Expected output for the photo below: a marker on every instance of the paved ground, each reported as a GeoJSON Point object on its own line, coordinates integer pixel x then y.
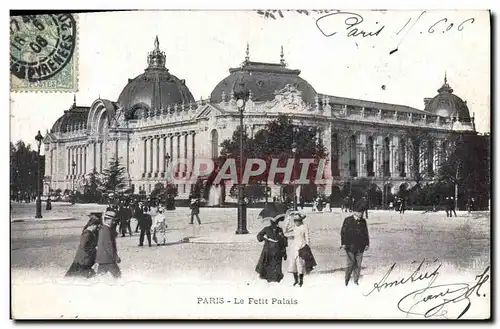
{"type": "Point", "coordinates": [43, 250]}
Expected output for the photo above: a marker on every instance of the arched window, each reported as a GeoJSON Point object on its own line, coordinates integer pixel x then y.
{"type": "Point", "coordinates": [352, 156]}
{"type": "Point", "coordinates": [387, 157]}
{"type": "Point", "coordinates": [369, 156]}
{"type": "Point", "coordinates": [214, 136]}
{"type": "Point", "coordinates": [402, 157]}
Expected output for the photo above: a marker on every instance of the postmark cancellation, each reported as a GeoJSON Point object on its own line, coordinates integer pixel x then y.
{"type": "Point", "coordinates": [43, 53]}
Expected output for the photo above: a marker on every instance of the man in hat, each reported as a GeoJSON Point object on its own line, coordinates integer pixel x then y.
{"type": "Point", "coordinates": [107, 254]}
{"type": "Point", "coordinates": [195, 210]}
{"type": "Point", "coordinates": [355, 240]}
{"type": "Point", "coordinates": [451, 206]}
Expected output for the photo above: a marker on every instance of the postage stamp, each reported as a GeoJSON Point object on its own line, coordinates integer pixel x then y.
{"type": "Point", "coordinates": [43, 53]}
{"type": "Point", "coordinates": [256, 164]}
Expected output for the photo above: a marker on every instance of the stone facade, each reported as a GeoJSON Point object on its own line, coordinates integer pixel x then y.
{"type": "Point", "coordinates": [363, 138]}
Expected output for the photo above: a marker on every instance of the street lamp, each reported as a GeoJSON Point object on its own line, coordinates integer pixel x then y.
{"type": "Point", "coordinates": [241, 94]}
{"type": "Point", "coordinates": [294, 152]}
{"type": "Point", "coordinates": [38, 214]}
{"type": "Point", "coordinates": [73, 166]}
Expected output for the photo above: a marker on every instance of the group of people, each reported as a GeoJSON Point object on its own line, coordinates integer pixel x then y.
{"type": "Point", "coordinates": [354, 239]}
{"type": "Point", "coordinates": [97, 246]}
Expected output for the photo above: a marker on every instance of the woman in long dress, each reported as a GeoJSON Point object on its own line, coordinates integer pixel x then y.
{"type": "Point", "coordinates": [301, 260]}
{"type": "Point", "coordinates": [86, 253]}
{"type": "Point", "coordinates": [160, 227]}
{"type": "Point", "coordinates": [269, 266]}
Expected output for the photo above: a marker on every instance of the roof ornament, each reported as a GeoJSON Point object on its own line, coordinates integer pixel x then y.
{"type": "Point", "coordinates": [445, 87]}
{"type": "Point", "coordinates": [282, 57]}
{"type": "Point", "coordinates": [247, 57]}
{"type": "Point", "coordinates": [156, 58]}
{"type": "Point", "coordinates": [157, 43]}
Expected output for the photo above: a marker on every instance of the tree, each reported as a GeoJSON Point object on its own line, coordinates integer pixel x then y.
{"type": "Point", "coordinates": [113, 177]}
{"type": "Point", "coordinates": [276, 141]}
{"type": "Point", "coordinates": [24, 164]}
{"type": "Point", "coordinates": [92, 186]}
{"type": "Point", "coordinates": [466, 166]}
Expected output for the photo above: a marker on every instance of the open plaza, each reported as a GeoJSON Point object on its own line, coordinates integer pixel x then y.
{"type": "Point", "coordinates": [211, 261]}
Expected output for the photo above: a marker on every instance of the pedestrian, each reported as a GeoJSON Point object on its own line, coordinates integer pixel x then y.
{"type": "Point", "coordinates": [160, 227]}
{"type": "Point", "coordinates": [301, 260]}
{"type": "Point", "coordinates": [49, 204]}
{"type": "Point", "coordinates": [355, 240]}
{"type": "Point", "coordinates": [107, 253]}
{"type": "Point", "coordinates": [125, 215]}
{"type": "Point", "coordinates": [195, 210]}
{"type": "Point", "coordinates": [273, 252]}
{"type": "Point", "coordinates": [451, 206]}
{"type": "Point", "coordinates": [364, 202]}
{"type": "Point", "coordinates": [402, 205]}
{"type": "Point", "coordinates": [145, 223]}
{"type": "Point", "coordinates": [137, 212]}
{"type": "Point", "coordinates": [301, 202]}
{"type": "Point", "coordinates": [85, 256]}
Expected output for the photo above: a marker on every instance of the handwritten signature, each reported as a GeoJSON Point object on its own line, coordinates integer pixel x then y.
{"type": "Point", "coordinates": [445, 300]}
{"type": "Point", "coordinates": [415, 276]}
{"type": "Point", "coordinates": [355, 26]}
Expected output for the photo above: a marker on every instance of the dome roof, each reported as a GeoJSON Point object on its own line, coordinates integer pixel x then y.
{"type": "Point", "coordinates": [156, 88]}
{"type": "Point", "coordinates": [263, 80]}
{"type": "Point", "coordinates": [75, 117]}
{"type": "Point", "coordinates": [447, 104]}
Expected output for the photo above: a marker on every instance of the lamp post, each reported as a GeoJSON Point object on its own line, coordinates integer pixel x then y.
{"type": "Point", "coordinates": [241, 94]}
{"type": "Point", "coordinates": [38, 214]}
{"type": "Point", "coordinates": [73, 167]}
{"type": "Point", "coordinates": [294, 152]}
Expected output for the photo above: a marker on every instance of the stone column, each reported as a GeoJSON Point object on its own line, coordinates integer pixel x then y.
{"type": "Point", "coordinates": [151, 155]}
{"type": "Point", "coordinates": [189, 151]}
{"type": "Point", "coordinates": [391, 157]}
{"type": "Point", "coordinates": [68, 156]}
{"type": "Point", "coordinates": [163, 148]}
{"type": "Point", "coordinates": [85, 159]}
{"type": "Point", "coordinates": [361, 152]}
{"type": "Point", "coordinates": [437, 160]}
{"type": "Point", "coordinates": [101, 157]}
{"type": "Point", "coordinates": [193, 145]}
{"type": "Point", "coordinates": [157, 155]}
{"type": "Point", "coordinates": [80, 172]}
{"type": "Point", "coordinates": [144, 145]}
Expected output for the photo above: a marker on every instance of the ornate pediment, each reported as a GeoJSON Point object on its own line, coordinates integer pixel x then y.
{"type": "Point", "coordinates": [289, 97]}
{"type": "Point", "coordinates": [208, 111]}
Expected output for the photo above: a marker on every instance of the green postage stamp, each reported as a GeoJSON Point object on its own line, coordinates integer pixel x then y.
{"type": "Point", "coordinates": [43, 53]}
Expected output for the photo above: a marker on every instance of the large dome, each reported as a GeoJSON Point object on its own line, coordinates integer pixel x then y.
{"type": "Point", "coordinates": [156, 88]}
{"type": "Point", "coordinates": [263, 80]}
{"type": "Point", "coordinates": [446, 104]}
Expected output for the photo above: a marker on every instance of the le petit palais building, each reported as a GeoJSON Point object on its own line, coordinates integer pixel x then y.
{"type": "Point", "coordinates": [156, 117]}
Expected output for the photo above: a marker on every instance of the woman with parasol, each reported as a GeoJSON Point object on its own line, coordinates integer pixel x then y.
{"type": "Point", "coordinates": [269, 266]}
{"type": "Point", "coordinates": [86, 253]}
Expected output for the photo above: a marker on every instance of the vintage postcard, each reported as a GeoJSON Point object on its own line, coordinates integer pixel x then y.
{"type": "Point", "coordinates": [259, 164]}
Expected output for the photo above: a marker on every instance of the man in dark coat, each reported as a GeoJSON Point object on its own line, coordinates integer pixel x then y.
{"type": "Point", "coordinates": [451, 206]}
{"type": "Point", "coordinates": [195, 210]}
{"type": "Point", "coordinates": [364, 206]}
{"type": "Point", "coordinates": [125, 214]}
{"type": "Point", "coordinates": [107, 254]}
{"type": "Point", "coordinates": [145, 223]}
{"type": "Point", "coordinates": [355, 240]}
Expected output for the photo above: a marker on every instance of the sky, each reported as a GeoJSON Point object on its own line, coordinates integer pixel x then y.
{"type": "Point", "coordinates": [201, 46]}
